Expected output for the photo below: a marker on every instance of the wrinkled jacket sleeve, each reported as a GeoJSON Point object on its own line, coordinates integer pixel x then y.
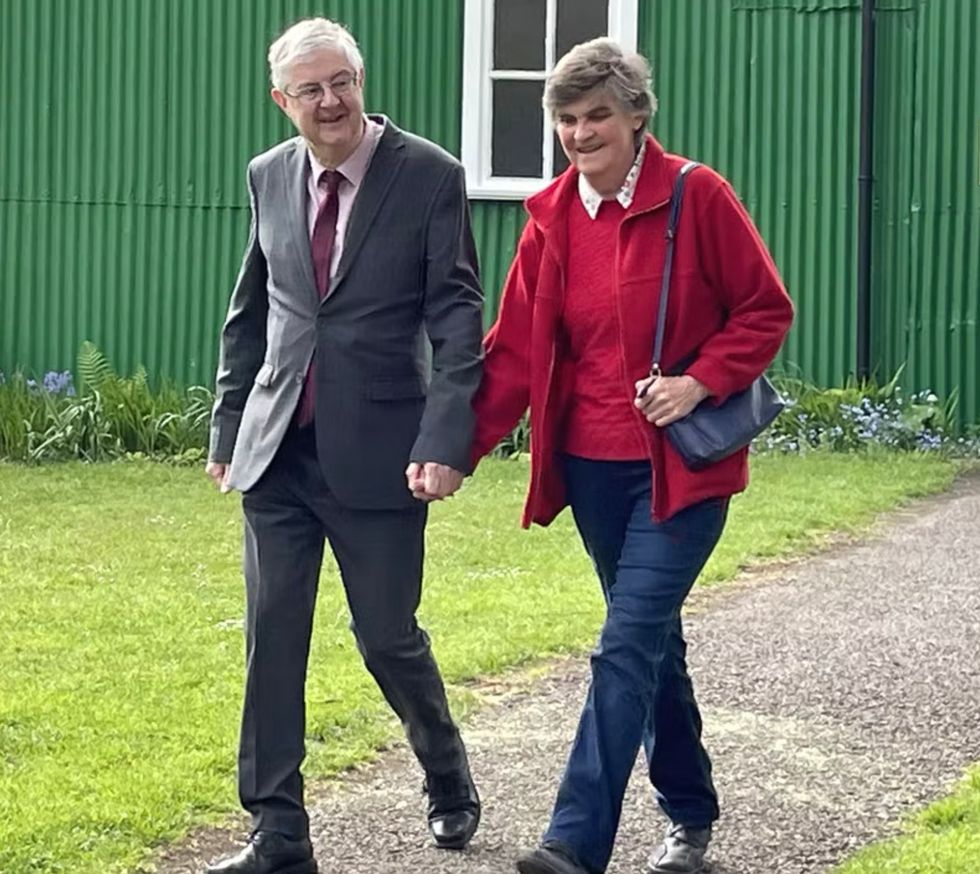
{"type": "Point", "coordinates": [738, 265]}
{"type": "Point", "coordinates": [505, 391]}
{"type": "Point", "coordinates": [453, 313]}
{"type": "Point", "coordinates": [242, 342]}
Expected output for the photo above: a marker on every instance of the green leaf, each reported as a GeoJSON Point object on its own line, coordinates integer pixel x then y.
{"type": "Point", "coordinates": [94, 370]}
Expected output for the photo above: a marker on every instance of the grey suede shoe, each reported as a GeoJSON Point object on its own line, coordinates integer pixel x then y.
{"type": "Point", "coordinates": [682, 851]}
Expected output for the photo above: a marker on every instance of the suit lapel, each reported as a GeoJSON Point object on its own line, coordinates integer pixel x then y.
{"type": "Point", "coordinates": [375, 187]}
{"type": "Point", "coordinates": [295, 167]}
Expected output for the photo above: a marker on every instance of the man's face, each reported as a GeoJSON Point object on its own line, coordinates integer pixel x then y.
{"type": "Point", "coordinates": [597, 135]}
{"type": "Point", "coordinates": [324, 99]}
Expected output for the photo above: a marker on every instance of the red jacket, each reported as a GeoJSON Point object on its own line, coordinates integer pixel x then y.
{"type": "Point", "coordinates": [728, 308]}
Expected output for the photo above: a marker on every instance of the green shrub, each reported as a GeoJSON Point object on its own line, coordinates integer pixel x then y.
{"type": "Point", "coordinates": [859, 416]}
{"type": "Point", "coordinates": [863, 415]}
{"type": "Point", "coordinates": [516, 443]}
{"type": "Point", "coordinates": [112, 416]}
{"type": "Point", "coordinates": [108, 417]}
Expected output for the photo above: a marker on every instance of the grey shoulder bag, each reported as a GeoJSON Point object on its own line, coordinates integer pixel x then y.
{"type": "Point", "coordinates": [710, 432]}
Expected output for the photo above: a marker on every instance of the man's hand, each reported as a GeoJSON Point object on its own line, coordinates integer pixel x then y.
{"type": "Point", "coordinates": [432, 481]}
{"type": "Point", "coordinates": [665, 399]}
{"type": "Point", "coordinates": [219, 473]}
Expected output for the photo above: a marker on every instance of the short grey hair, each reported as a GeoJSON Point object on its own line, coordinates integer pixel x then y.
{"type": "Point", "coordinates": [305, 38]}
{"type": "Point", "coordinates": [601, 63]}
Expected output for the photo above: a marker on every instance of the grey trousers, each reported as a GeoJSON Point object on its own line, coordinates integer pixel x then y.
{"type": "Point", "coordinates": [289, 515]}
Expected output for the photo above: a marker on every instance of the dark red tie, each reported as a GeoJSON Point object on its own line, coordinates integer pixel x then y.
{"type": "Point", "coordinates": [321, 247]}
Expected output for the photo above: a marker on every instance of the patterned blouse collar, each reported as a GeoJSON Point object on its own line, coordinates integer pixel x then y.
{"type": "Point", "coordinates": [592, 200]}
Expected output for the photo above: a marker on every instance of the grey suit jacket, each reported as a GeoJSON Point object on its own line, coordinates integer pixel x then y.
{"type": "Point", "coordinates": [408, 269]}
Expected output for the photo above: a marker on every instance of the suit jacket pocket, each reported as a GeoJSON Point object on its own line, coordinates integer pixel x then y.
{"type": "Point", "coordinates": [396, 389]}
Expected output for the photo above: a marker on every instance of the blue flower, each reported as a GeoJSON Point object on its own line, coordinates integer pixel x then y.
{"type": "Point", "coordinates": [59, 382]}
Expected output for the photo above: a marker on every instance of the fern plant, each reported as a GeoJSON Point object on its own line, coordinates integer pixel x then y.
{"type": "Point", "coordinates": [94, 370]}
{"type": "Point", "coordinates": [111, 416]}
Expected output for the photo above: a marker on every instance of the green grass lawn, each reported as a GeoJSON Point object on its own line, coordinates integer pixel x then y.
{"type": "Point", "coordinates": [121, 645]}
{"type": "Point", "coordinates": [943, 839]}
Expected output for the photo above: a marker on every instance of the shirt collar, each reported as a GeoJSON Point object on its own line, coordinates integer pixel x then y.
{"type": "Point", "coordinates": [357, 162]}
{"type": "Point", "coordinates": [592, 200]}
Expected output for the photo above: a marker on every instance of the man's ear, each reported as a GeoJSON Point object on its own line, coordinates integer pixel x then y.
{"type": "Point", "coordinates": [279, 97]}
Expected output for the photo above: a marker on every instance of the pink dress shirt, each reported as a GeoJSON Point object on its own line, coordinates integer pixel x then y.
{"type": "Point", "coordinates": [353, 170]}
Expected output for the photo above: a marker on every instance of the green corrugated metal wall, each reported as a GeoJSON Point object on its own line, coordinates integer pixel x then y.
{"type": "Point", "coordinates": [768, 91]}
{"type": "Point", "coordinates": [496, 226]}
{"type": "Point", "coordinates": [927, 284]}
{"type": "Point", "coordinates": [128, 124]}
{"type": "Point", "coordinates": [125, 131]}
{"type": "Point", "coordinates": [749, 91]}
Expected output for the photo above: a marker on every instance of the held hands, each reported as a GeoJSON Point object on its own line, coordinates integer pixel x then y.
{"type": "Point", "coordinates": [428, 482]}
{"type": "Point", "coordinates": [665, 399]}
{"type": "Point", "coordinates": [219, 473]}
{"type": "Point", "coordinates": [432, 481]}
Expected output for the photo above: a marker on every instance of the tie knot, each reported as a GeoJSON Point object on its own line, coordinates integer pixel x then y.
{"type": "Point", "coordinates": [329, 180]}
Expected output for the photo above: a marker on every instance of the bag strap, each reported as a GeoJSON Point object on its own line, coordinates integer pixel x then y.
{"type": "Point", "coordinates": [672, 221]}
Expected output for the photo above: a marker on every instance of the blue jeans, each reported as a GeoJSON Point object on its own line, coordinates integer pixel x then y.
{"type": "Point", "coordinates": [640, 690]}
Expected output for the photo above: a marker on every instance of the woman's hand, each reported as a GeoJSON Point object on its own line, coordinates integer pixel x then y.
{"type": "Point", "coordinates": [665, 399]}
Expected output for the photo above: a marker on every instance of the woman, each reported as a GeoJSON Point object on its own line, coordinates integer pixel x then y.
{"type": "Point", "coordinates": [573, 341]}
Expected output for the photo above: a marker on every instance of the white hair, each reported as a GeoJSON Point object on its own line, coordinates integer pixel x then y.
{"type": "Point", "coordinates": [305, 38]}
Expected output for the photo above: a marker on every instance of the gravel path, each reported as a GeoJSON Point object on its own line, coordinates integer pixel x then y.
{"type": "Point", "coordinates": [838, 694]}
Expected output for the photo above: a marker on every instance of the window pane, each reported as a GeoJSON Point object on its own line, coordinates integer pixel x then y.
{"type": "Point", "coordinates": [578, 21]}
{"type": "Point", "coordinates": [518, 34]}
{"type": "Point", "coordinates": [560, 159]}
{"type": "Point", "coordinates": [518, 125]}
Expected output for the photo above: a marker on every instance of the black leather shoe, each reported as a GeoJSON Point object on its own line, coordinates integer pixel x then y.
{"type": "Point", "coordinates": [682, 851]}
{"type": "Point", "coordinates": [269, 853]}
{"type": "Point", "coordinates": [454, 810]}
{"type": "Point", "coordinates": [549, 860]}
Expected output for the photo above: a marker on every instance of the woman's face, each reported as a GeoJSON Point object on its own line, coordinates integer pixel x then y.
{"type": "Point", "coordinates": [598, 135]}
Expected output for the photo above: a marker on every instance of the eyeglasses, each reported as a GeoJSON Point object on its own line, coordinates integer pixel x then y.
{"type": "Point", "coordinates": [312, 92]}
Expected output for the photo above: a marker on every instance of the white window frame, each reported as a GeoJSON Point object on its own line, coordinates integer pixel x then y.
{"type": "Point", "coordinates": [478, 77]}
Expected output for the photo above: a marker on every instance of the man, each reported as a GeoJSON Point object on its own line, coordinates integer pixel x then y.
{"type": "Point", "coordinates": [360, 246]}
